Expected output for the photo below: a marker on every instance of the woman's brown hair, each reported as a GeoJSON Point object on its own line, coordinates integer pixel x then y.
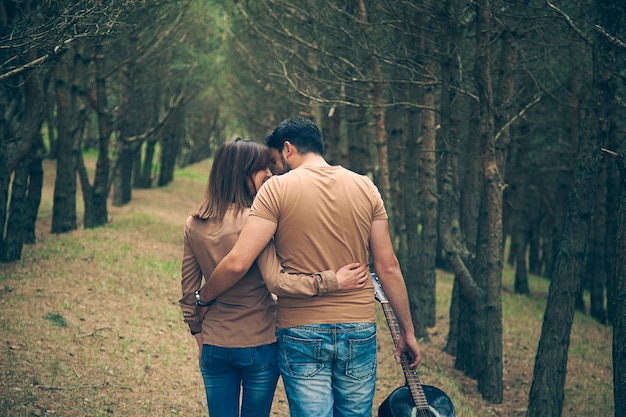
{"type": "Point", "coordinates": [233, 166]}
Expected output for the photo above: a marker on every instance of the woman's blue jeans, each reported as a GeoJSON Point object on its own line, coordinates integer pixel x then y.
{"type": "Point", "coordinates": [234, 375]}
{"type": "Point", "coordinates": [328, 370]}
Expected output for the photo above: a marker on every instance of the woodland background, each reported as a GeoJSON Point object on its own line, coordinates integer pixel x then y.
{"type": "Point", "coordinates": [481, 122]}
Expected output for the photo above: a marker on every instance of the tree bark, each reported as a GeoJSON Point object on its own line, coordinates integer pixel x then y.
{"type": "Point", "coordinates": [144, 179]}
{"type": "Point", "coordinates": [547, 388]}
{"type": "Point", "coordinates": [596, 254]}
{"type": "Point", "coordinates": [471, 190]}
{"type": "Point", "coordinates": [70, 125]}
{"type": "Point", "coordinates": [131, 124]}
{"type": "Point", "coordinates": [19, 152]}
{"type": "Point", "coordinates": [382, 177]}
{"type": "Point", "coordinates": [619, 306]}
{"type": "Point", "coordinates": [25, 198]}
{"type": "Point", "coordinates": [170, 142]}
{"type": "Point", "coordinates": [95, 196]}
{"type": "Point", "coordinates": [519, 217]}
{"type": "Point", "coordinates": [612, 216]}
{"type": "Point", "coordinates": [489, 256]}
{"type": "Point", "coordinates": [122, 192]}
{"type": "Point", "coordinates": [359, 139]}
{"type": "Point", "coordinates": [410, 199]}
{"type": "Point", "coordinates": [334, 149]}
{"type": "Point", "coordinates": [429, 235]}
{"type": "Point", "coordinates": [21, 117]}
{"type": "Point", "coordinates": [35, 185]}
{"type": "Point", "coordinates": [14, 240]}
{"type": "Point", "coordinates": [396, 145]}
{"type": "Point", "coordinates": [504, 113]}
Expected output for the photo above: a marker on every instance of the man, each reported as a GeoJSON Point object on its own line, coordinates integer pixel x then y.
{"type": "Point", "coordinates": [322, 217]}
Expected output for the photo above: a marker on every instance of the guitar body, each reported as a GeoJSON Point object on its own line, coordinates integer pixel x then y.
{"type": "Point", "coordinates": [400, 404]}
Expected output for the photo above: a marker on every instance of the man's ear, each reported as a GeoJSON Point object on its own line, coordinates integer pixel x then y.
{"type": "Point", "coordinates": [288, 148]}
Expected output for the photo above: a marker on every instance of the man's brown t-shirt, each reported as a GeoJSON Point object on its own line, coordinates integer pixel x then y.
{"type": "Point", "coordinates": [324, 217]}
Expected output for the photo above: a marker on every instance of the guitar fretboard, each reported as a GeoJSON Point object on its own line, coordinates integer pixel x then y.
{"type": "Point", "coordinates": [412, 380]}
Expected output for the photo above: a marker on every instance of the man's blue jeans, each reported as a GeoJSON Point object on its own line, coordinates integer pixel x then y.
{"type": "Point", "coordinates": [227, 371]}
{"type": "Point", "coordinates": [328, 370]}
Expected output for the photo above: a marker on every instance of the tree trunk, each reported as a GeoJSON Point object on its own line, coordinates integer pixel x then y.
{"type": "Point", "coordinates": [20, 100]}
{"type": "Point", "coordinates": [5, 180]}
{"type": "Point", "coordinates": [358, 134]}
{"type": "Point", "coordinates": [145, 176]}
{"type": "Point", "coordinates": [572, 116]}
{"type": "Point", "coordinates": [505, 101]}
{"type": "Point", "coordinates": [137, 164]}
{"type": "Point", "coordinates": [534, 247]}
{"type": "Point", "coordinates": [131, 125]}
{"type": "Point", "coordinates": [410, 197]}
{"type": "Point", "coordinates": [14, 240]}
{"type": "Point", "coordinates": [451, 234]}
{"type": "Point", "coordinates": [472, 186]}
{"type": "Point", "coordinates": [521, 272]}
{"type": "Point", "coordinates": [612, 215]}
{"type": "Point", "coordinates": [95, 196]}
{"type": "Point", "coordinates": [449, 228]}
{"type": "Point", "coordinates": [619, 307]}
{"type": "Point", "coordinates": [407, 196]}
{"type": "Point", "coordinates": [70, 124]}
{"type": "Point", "coordinates": [336, 120]}
{"type": "Point", "coordinates": [519, 224]}
{"type": "Point", "coordinates": [429, 237]}
{"type": "Point", "coordinates": [382, 177]}
{"type": "Point", "coordinates": [489, 256]}
{"type": "Point", "coordinates": [122, 192]}
{"type": "Point", "coordinates": [547, 388]}
{"type": "Point", "coordinates": [334, 151]}
{"type": "Point", "coordinates": [396, 138]}
{"type": "Point", "coordinates": [35, 185]}
{"type": "Point", "coordinates": [19, 152]}
{"type": "Point", "coordinates": [596, 254]}
{"type": "Point", "coordinates": [50, 119]}
{"type": "Point", "coordinates": [170, 141]}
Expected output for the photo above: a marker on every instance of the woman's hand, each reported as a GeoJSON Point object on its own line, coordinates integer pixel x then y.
{"type": "Point", "coordinates": [202, 312]}
{"type": "Point", "coordinates": [352, 276]}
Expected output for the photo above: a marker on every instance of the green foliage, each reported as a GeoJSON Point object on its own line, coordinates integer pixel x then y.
{"type": "Point", "coordinates": [56, 319]}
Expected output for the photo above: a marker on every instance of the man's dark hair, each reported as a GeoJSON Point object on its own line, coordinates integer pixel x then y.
{"type": "Point", "coordinates": [300, 132]}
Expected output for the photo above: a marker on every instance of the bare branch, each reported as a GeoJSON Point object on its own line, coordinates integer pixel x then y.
{"type": "Point", "coordinates": [37, 36]}
{"type": "Point", "coordinates": [612, 153]}
{"type": "Point", "coordinates": [570, 22]}
{"type": "Point", "coordinates": [517, 116]}
{"type": "Point", "coordinates": [25, 67]}
{"type": "Point", "coordinates": [617, 42]}
{"type": "Point", "coordinates": [178, 101]}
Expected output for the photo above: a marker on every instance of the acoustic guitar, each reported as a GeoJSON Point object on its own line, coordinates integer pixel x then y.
{"type": "Point", "coordinates": [413, 399]}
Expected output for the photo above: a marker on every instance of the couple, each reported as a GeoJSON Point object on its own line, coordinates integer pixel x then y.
{"type": "Point", "coordinates": [321, 334]}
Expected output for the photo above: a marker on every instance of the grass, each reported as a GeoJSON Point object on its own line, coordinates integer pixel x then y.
{"type": "Point", "coordinates": [91, 326]}
{"type": "Point", "coordinates": [56, 319]}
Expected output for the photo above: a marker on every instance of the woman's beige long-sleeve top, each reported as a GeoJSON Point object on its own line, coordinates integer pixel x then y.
{"type": "Point", "coordinates": [243, 316]}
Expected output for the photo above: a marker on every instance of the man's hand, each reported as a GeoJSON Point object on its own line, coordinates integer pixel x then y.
{"type": "Point", "coordinates": [410, 348]}
{"type": "Point", "coordinates": [352, 276]}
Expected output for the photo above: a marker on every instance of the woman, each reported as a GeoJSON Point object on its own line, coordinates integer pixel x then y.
{"type": "Point", "coordinates": [236, 338]}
